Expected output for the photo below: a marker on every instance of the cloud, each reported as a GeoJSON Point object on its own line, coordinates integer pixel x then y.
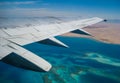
{"type": "Point", "coordinates": [17, 3]}
{"type": "Point", "coordinates": [39, 12]}
{"type": "Point", "coordinates": [34, 12]}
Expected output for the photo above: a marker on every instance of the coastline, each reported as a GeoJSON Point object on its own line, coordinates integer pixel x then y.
{"type": "Point", "coordinates": [105, 32]}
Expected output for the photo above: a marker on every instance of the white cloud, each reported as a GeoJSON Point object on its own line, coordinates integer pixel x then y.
{"type": "Point", "coordinates": [34, 12]}
{"type": "Point", "coordinates": [17, 3]}
{"type": "Point", "coordinates": [38, 12]}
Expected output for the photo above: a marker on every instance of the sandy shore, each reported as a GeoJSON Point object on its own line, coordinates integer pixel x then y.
{"type": "Point", "coordinates": [107, 32]}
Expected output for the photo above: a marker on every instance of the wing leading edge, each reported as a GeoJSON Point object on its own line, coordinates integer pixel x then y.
{"type": "Point", "coordinates": [13, 39]}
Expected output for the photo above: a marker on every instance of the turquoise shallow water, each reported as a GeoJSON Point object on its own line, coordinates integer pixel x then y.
{"type": "Point", "coordinates": [86, 61]}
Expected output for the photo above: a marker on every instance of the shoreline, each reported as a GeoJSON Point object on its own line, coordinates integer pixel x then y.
{"type": "Point", "coordinates": [104, 32]}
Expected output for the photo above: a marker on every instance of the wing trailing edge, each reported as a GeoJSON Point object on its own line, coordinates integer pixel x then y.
{"type": "Point", "coordinates": [53, 41]}
{"type": "Point", "coordinates": [23, 58]}
{"type": "Point", "coordinates": [81, 31]}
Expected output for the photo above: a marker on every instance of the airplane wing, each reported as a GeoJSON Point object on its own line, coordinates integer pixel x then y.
{"type": "Point", "coordinates": [14, 38]}
{"type": "Point", "coordinates": [26, 35]}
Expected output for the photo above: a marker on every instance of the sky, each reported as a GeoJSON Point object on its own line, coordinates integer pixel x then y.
{"type": "Point", "coordinates": [69, 8]}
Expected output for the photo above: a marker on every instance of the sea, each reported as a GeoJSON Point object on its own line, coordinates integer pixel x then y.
{"type": "Point", "coordinates": [85, 61]}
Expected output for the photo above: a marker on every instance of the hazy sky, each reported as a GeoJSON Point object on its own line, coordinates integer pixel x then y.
{"type": "Point", "coordinates": [84, 8]}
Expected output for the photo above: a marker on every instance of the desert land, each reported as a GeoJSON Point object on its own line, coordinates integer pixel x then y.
{"type": "Point", "coordinates": [106, 32]}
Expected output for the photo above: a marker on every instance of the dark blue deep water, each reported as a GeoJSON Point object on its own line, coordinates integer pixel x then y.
{"type": "Point", "coordinates": [86, 61]}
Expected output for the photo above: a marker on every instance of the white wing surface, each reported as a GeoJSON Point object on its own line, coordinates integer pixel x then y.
{"type": "Point", "coordinates": [11, 40]}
